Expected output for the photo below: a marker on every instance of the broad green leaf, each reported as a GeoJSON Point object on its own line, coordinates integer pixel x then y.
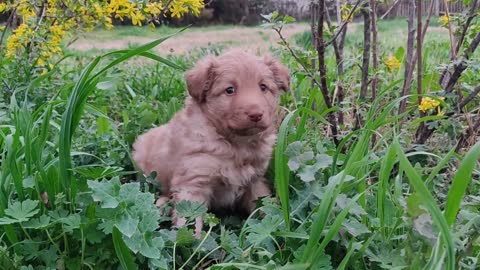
{"type": "Point", "coordinates": [190, 209]}
{"type": "Point", "coordinates": [105, 192]}
{"type": "Point", "coordinates": [37, 223]}
{"type": "Point", "coordinates": [185, 237]}
{"type": "Point", "coordinates": [20, 212]}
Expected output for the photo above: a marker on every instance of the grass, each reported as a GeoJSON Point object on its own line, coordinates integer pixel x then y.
{"type": "Point", "coordinates": [70, 196]}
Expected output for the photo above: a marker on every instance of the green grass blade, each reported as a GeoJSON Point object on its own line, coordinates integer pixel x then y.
{"type": "Point", "coordinates": [462, 179]}
{"type": "Point", "coordinates": [282, 173]}
{"type": "Point", "coordinates": [429, 202]}
{"type": "Point", "coordinates": [383, 184]}
{"type": "Point", "coordinates": [122, 251]}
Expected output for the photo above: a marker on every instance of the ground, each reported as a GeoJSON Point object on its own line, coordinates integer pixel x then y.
{"type": "Point", "coordinates": [255, 39]}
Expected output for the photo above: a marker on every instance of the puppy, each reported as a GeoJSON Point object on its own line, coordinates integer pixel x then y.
{"type": "Point", "coordinates": [216, 150]}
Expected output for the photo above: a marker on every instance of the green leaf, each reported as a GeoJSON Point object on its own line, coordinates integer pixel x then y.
{"type": "Point", "coordinates": [460, 182]}
{"type": "Point", "coordinates": [307, 173]}
{"type": "Point", "coordinates": [105, 192]}
{"type": "Point", "coordinates": [185, 237]}
{"type": "Point", "coordinates": [414, 202]}
{"type": "Point", "coordinates": [20, 212]}
{"type": "Point", "coordinates": [145, 244]}
{"type": "Point", "coordinates": [261, 231]}
{"type": "Point", "coordinates": [190, 209]}
{"type": "Point", "coordinates": [107, 85]}
{"type": "Point", "coordinates": [298, 155]}
{"type": "Point", "coordinates": [127, 225]}
{"type": "Point", "coordinates": [123, 254]}
{"type": "Point", "coordinates": [37, 223]}
{"type": "Point", "coordinates": [355, 228]}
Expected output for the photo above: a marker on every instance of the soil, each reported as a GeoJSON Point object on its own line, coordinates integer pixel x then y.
{"type": "Point", "coordinates": [253, 39]}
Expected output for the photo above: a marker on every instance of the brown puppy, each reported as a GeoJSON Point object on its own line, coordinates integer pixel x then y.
{"type": "Point", "coordinates": [216, 150]}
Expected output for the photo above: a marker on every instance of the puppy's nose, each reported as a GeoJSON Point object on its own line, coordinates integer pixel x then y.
{"type": "Point", "coordinates": [255, 116]}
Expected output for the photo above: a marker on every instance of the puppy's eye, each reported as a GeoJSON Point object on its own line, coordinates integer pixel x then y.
{"type": "Point", "coordinates": [263, 87]}
{"type": "Point", "coordinates": [230, 91]}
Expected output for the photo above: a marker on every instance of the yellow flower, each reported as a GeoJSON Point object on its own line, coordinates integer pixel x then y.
{"type": "Point", "coordinates": [345, 12]}
{"type": "Point", "coordinates": [429, 103]}
{"type": "Point", "coordinates": [440, 112]}
{"type": "Point", "coordinates": [57, 30]}
{"type": "Point", "coordinates": [180, 7]}
{"type": "Point", "coordinates": [444, 20]}
{"type": "Point", "coordinates": [392, 63]}
{"type": "Point", "coordinates": [108, 23]}
{"type": "Point", "coordinates": [137, 18]}
{"type": "Point", "coordinates": [3, 7]}
{"type": "Point", "coordinates": [40, 62]}
{"type": "Point", "coordinates": [153, 8]}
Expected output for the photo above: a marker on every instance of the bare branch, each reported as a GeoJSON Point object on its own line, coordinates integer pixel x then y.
{"type": "Point", "coordinates": [373, 7]}
{"type": "Point", "coordinates": [410, 65]}
{"type": "Point", "coordinates": [323, 70]}
{"type": "Point", "coordinates": [470, 97]}
{"type": "Point", "coordinates": [344, 24]}
{"type": "Point", "coordinates": [391, 8]}
{"type": "Point", "coordinates": [366, 52]}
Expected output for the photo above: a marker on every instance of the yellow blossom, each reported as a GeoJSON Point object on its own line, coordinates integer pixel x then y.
{"type": "Point", "coordinates": [153, 8]}
{"type": "Point", "coordinates": [137, 18]}
{"type": "Point", "coordinates": [345, 10]}
{"type": "Point", "coordinates": [440, 112]}
{"type": "Point", "coordinates": [444, 20]}
{"type": "Point", "coordinates": [180, 7]}
{"type": "Point", "coordinates": [392, 63]}
{"type": "Point", "coordinates": [3, 7]}
{"type": "Point", "coordinates": [429, 103]}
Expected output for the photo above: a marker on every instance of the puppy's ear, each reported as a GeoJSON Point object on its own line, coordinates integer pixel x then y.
{"type": "Point", "coordinates": [280, 73]}
{"type": "Point", "coordinates": [200, 78]}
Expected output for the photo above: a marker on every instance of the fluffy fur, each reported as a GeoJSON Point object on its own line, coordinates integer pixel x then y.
{"type": "Point", "coordinates": [216, 150]}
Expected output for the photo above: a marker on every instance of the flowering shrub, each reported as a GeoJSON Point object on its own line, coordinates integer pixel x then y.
{"type": "Point", "coordinates": [46, 23]}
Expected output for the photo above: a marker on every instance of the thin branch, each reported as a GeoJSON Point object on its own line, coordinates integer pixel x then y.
{"type": "Point", "coordinates": [8, 24]}
{"type": "Point", "coordinates": [391, 8]}
{"type": "Point", "coordinates": [410, 65]}
{"type": "Point", "coordinates": [419, 51]}
{"type": "Point", "coordinates": [322, 69]}
{"type": "Point", "coordinates": [373, 7]}
{"type": "Point", "coordinates": [471, 15]}
{"type": "Point", "coordinates": [462, 65]}
{"type": "Point", "coordinates": [450, 32]}
{"type": "Point", "coordinates": [470, 97]}
{"type": "Point", "coordinates": [344, 24]}
{"type": "Point", "coordinates": [366, 52]}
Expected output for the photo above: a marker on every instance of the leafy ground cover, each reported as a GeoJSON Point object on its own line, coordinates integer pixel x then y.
{"type": "Point", "coordinates": [70, 196]}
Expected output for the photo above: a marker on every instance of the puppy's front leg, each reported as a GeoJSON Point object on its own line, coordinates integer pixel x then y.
{"type": "Point", "coordinates": [258, 188]}
{"type": "Point", "coordinates": [194, 194]}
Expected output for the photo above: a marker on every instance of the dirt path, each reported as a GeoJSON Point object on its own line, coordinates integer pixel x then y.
{"type": "Point", "coordinates": [254, 39]}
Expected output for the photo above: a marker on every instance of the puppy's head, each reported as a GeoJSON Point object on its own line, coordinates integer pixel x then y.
{"type": "Point", "coordinates": [238, 91]}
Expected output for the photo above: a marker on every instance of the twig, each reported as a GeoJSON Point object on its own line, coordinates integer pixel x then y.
{"type": "Point", "coordinates": [462, 64]}
{"type": "Point", "coordinates": [373, 7]}
{"type": "Point", "coordinates": [410, 65]}
{"type": "Point", "coordinates": [470, 97]}
{"type": "Point", "coordinates": [344, 24]}
{"type": "Point", "coordinates": [472, 14]}
{"type": "Point", "coordinates": [322, 69]}
{"type": "Point", "coordinates": [450, 32]}
{"type": "Point", "coordinates": [366, 52]}
{"type": "Point", "coordinates": [391, 8]}
{"type": "Point", "coordinates": [8, 24]}
{"type": "Point", "coordinates": [339, 94]}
